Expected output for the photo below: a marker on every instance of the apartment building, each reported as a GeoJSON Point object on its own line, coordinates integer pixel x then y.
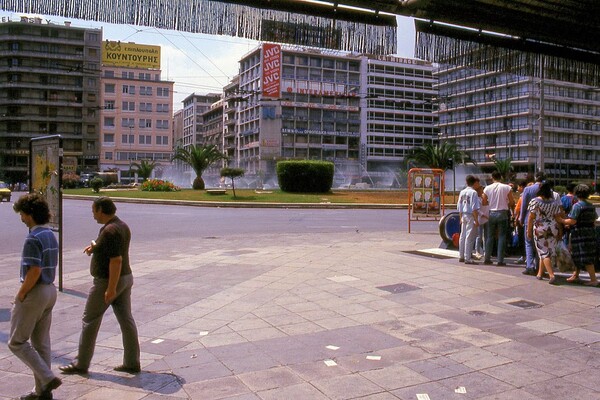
{"type": "Point", "coordinates": [361, 112]}
{"type": "Point", "coordinates": [49, 85]}
{"type": "Point", "coordinates": [137, 108]}
{"type": "Point", "coordinates": [540, 124]}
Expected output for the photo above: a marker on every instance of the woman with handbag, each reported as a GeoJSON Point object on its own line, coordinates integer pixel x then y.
{"type": "Point", "coordinates": [545, 230]}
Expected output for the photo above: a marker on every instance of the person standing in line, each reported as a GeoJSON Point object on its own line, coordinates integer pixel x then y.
{"type": "Point", "coordinates": [544, 229]}
{"type": "Point", "coordinates": [501, 202]}
{"type": "Point", "coordinates": [529, 193]}
{"type": "Point", "coordinates": [567, 201]}
{"type": "Point", "coordinates": [112, 285]}
{"type": "Point", "coordinates": [468, 206]}
{"type": "Point", "coordinates": [31, 316]}
{"type": "Point", "coordinates": [520, 229]}
{"type": "Point", "coordinates": [482, 231]}
{"type": "Point", "coordinates": [581, 221]}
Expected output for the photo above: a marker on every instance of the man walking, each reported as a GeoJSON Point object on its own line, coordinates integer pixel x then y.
{"type": "Point", "coordinates": [468, 206]}
{"type": "Point", "coordinates": [500, 201]}
{"type": "Point", "coordinates": [530, 192]}
{"type": "Point", "coordinates": [111, 287]}
{"type": "Point", "coordinates": [31, 315]}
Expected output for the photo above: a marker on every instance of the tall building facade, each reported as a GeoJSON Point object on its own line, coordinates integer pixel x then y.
{"type": "Point", "coordinates": [49, 85]}
{"type": "Point", "coordinates": [137, 108]}
{"type": "Point", "coordinates": [540, 124]}
{"type": "Point", "coordinates": [360, 112]}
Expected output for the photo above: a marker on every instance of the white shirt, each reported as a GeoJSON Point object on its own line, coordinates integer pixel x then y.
{"type": "Point", "coordinates": [497, 194]}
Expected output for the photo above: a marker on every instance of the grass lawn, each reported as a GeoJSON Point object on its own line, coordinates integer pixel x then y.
{"type": "Point", "coordinates": [274, 196]}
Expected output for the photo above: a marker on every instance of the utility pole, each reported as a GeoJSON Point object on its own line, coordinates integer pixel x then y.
{"type": "Point", "coordinates": [541, 119]}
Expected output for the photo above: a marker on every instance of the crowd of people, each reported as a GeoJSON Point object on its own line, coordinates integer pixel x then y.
{"type": "Point", "coordinates": [535, 224]}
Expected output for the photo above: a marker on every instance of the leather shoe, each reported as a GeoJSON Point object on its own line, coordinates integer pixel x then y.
{"type": "Point", "coordinates": [35, 396]}
{"type": "Point", "coordinates": [129, 370]}
{"type": "Point", "coordinates": [72, 369]}
{"type": "Point", "coordinates": [529, 271]}
{"type": "Point", "coordinates": [501, 264]}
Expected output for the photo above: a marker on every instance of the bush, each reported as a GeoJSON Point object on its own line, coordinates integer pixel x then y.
{"type": "Point", "coordinates": [70, 180]}
{"type": "Point", "coordinates": [96, 184]}
{"type": "Point", "coordinates": [158, 185]}
{"type": "Point", "coordinates": [305, 176]}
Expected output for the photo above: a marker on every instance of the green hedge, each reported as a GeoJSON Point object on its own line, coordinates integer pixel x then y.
{"type": "Point", "coordinates": [305, 176]}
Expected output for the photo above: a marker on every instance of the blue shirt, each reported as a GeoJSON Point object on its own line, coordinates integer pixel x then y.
{"type": "Point", "coordinates": [468, 201]}
{"type": "Point", "coordinates": [528, 194]}
{"type": "Point", "coordinates": [41, 250]}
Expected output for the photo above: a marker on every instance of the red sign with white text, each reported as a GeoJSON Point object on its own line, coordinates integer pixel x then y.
{"type": "Point", "coordinates": [271, 74]}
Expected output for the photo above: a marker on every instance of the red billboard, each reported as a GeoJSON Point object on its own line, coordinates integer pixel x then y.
{"type": "Point", "coordinates": [271, 71]}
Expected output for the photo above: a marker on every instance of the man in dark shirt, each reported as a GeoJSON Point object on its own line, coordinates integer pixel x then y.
{"type": "Point", "coordinates": [31, 315]}
{"type": "Point", "coordinates": [111, 287]}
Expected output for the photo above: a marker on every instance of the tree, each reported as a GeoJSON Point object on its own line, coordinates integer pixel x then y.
{"type": "Point", "coordinates": [232, 173]}
{"type": "Point", "coordinates": [438, 155]}
{"type": "Point", "coordinates": [505, 167]}
{"type": "Point", "coordinates": [144, 169]}
{"type": "Point", "coordinates": [199, 158]}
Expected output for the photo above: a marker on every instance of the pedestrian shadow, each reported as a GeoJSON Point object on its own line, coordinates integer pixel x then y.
{"type": "Point", "coordinates": [76, 293]}
{"type": "Point", "coordinates": [4, 314]}
{"type": "Point", "coordinates": [164, 383]}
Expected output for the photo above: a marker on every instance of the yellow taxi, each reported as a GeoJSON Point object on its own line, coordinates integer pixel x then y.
{"type": "Point", "coordinates": [5, 192]}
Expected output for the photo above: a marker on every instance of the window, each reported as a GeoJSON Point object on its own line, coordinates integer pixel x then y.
{"type": "Point", "coordinates": [109, 138]}
{"type": "Point", "coordinates": [109, 121]}
{"type": "Point", "coordinates": [109, 88]}
{"type": "Point", "coordinates": [146, 107]}
{"type": "Point", "coordinates": [108, 155]}
{"type": "Point", "coordinates": [90, 145]}
{"type": "Point", "coordinates": [145, 123]}
{"type": "Point", "coordinates": [127, 122]}
{"type": "Point", "coordinates": [128, 106]}
{"type": "Point", "coordinates": [109, 74]}
{"type": "Point", "coordinates": [92, 37]}
{"type": "Point", "coordinates": [128, 89]}
{"type": "Point", "coordinates": [109, 104]}
{"type": "Point", "coordinates": [127, 75]}
{"type": "Point", "coordinates": [164, 140]}
{"type": "Point", "coordinates": [127, 139]}
{"type": "Point", "coordinates": [145, 139]}
{"type": "Point", "coordinates": [146, 90]}
{"type": "Point", "coordinates": [164, 92]}
{"type": "Point", "coordinates": [144, 76]}
{"type": "Point", "coordinates": [162, 108]}
{"type": "Point", "coordinates": [162, 124]}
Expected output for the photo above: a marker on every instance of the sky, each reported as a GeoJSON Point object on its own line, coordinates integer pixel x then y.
{"type": "Point", "coordinates": [196, 62]}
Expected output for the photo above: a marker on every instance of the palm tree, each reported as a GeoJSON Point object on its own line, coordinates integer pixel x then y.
{"type": "Point", "coordinates": [505, 167]}
{"type": "Point", "coordinates": [199, 158]}
{"type": "Point", "coordinates": [144, 169]}
{"type": "Point", "coordinates": [438, 155]}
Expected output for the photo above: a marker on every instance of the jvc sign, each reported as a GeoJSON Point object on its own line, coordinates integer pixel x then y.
{"type": "Point", "coordinates": [271, 78]}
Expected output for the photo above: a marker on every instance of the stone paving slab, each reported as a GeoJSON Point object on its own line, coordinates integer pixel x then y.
{"type": "Point", "coordinates": [307, 317]}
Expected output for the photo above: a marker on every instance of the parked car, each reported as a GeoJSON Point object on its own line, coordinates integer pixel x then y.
{"type": "Point", "coordinates": [85, 178]}
{"type": "Point", "coordinates": [5, 192]}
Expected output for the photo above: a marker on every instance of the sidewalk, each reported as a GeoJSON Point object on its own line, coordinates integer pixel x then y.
{"type": "Point", "coordinates": [322, 316]}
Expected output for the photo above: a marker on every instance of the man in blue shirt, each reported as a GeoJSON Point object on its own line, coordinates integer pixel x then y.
{"type": "Point", "coordinates": [529, 193]}
{"type": "Point", "coordinates": [468, 206]}
{"type": "Point", "coordinates": [31, 315]}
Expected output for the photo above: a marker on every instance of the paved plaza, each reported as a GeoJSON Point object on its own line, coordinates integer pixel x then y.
{"type": "Point", "coordinates": [324, 316]}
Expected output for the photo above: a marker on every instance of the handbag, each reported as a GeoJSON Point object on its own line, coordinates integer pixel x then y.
{"type": "Point", "coordinates": [564, 260]}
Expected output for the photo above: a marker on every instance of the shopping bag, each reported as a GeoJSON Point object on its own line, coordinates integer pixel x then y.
{"type": "Point", "coordinates": [563, 258]}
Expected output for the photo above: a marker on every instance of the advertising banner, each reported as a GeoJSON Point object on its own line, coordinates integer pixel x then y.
{"type": "Point", "coordinates": [425, 194]}
{"type": "Point", "coordinates": [271, 71]}
{"type": "Point", "coordinates": [131, 55]}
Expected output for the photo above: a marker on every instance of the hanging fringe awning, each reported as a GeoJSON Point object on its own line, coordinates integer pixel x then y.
{"type": "Point", "coordinates": [371, 33]}
{"type": "Point", "coordinates": [455, 46]}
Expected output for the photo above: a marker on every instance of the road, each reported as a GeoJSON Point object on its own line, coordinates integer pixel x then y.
{"type": "Point", "coordinates": [153, 223]}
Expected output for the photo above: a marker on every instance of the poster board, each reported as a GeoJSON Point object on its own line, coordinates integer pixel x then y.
{"type": "Point", "coordinates": [426, 188]}
{"type": "Point", "coordinates": [45, 178]}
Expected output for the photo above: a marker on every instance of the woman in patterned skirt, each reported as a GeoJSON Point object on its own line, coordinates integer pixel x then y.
{"type": "Point", "coordinates": [544, 228]}
{"type": "Point", "coordinates": [581, 220]}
